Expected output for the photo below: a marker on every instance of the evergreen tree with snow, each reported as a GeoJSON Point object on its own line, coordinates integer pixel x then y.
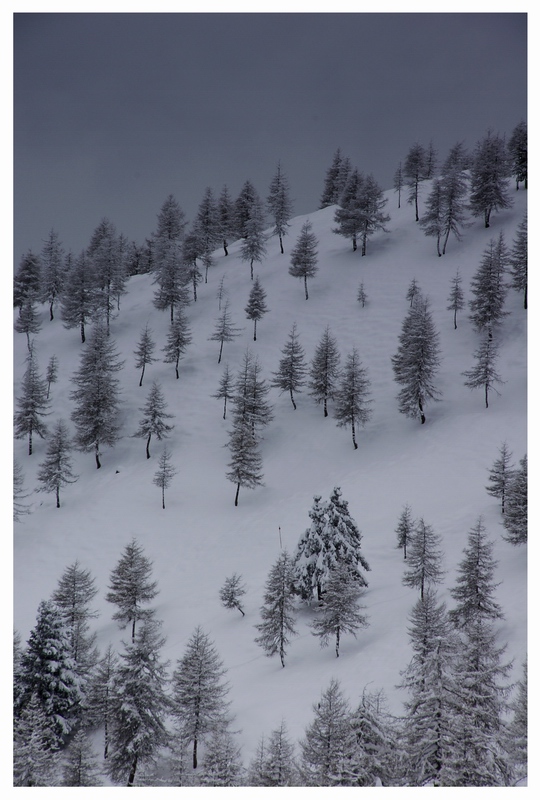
{"type": "Point", "coordinates": [414, 171]}
{"type": "Point", "coordinates": [36, 753]}
{"type": "Point", "coordinates": [56, 471]}
{"type": "Point", "coordinates": [199, 693]}
{"type": "Point", "coordinates": [99, 698]}
{"type": "Point", "coordinates": [168, 266]}
{"type": "Point", "coordinates": [424, 564]}
{"type": "Point", "coordinates": [138, 703]}
{"type": "Point", "coordinates": [517, 149]}
{"type": "Point", "coordinates": [108, 269]}
{"type": "Point", "coordinates": [144, 353]}
{"type": "Point", "coordinates": [515, 517]}
{"type": "Point", "coordinates": [19, 493]}
{"type": "Point", "coordinates": [352, 404]}
{"type": "Point", "coordinates": [207, 223]}
{"type": "Point", "coordinates": [454, 185]}
{"type": "Point", "coordinates": [178, 339]}
{"type": "Point", "coordinates": [226, 221]}
{"type": "Point", "coordinates": [372, 203]}
{"type": "Point", "coordinates": [304, 256]}
{"type": "Point", "coordinates": [308, 558]}
{"type": "Point", "coordinates": [246, 205]}
{"type": "Point", "coordinates": [96, 395]}
{"type": "Point", "coordinates": [432, 222]}
{"type": "Point", "coordinates": [192, 249]}
{"type": "Point", "coordinates": [131, 588]}
{"type": "Point", "coordinates": [483, 374]}
{"type": "Point", "coordinates": [224, 330]}
{"type": "Point", "coordinates": [253, 247]}
{"type": "Point", "coordinates": [518, 261]}
{"type": "Point", "coordinates": [32, 404]}
{"type": "Point", "coordinates": [324, 370]}
{"type": "Point", "coordinates": [164, 474]}
{"type": "Point", "coordinates": [52, 271]}
{"type": "Point", "coordinates": [154, 417]}
{"type": "Point", "coordinates": [225, 389]}
{"type": "Point", "coordinates": [256, 306]}
{"type": "Point", "coordinates": [337, 175]}
{"type": "Point", "coordinates": [290, 376]}
{"type": "Point", "coordinates": [79, 296]}
{"type": "Point", "coordinates": [221, 764]}
{"type": "Point", "coordinates": [81, 766]}
{"type": "Point", "coordinates": [250, 395]}
{"type": "Point", "coordinates": [405, 529]}
{"type": "Point", "coordinates": [27, 280]}
{"type": "Point", "coordinates": [28, 320]}
{"type": "Point", "coordinates": [222, 291]}
{"type": "Point", "coordinates": [232, 591]}
{"type": "Point", "coordinates": [456, 299]}
{"type": "Point", "coordinates": [274, 764]}
{"type": "Point", "coordinates": [488, 287]}
{"type": "Point", "coordinates": [376, 742]}
{"type": "Point", "coordinates": [417, 361]}
{"type": "Point", "coordinates": [399, 182]}
{"type": "Point", "coordinates": [489, 178]}
{"type": "Point", "coordinates": [345, 537]}
{"type": "Point", "coordinates": [279, 204]}
{"type": "Point", "coordinates": [278, 610]}
{"type": "Point", "coordinates": [516, 731]}
{"type": "Point", "coordinates": [246, 462]}
{"type": "Point", "coordinates": [340, 610]}
{"type": "Point", "coordinates": [349, 215]}
{"type": "Point", "coordinates": [431, 161]}
{"type": "Point", "coordinates": [361, 295]}
{"type": "Point", "coordinates": [51, 376]}
{"type": "Point", "coordinates": [500, 475]}
{"type": "Point", "coordinates": [413, 292]}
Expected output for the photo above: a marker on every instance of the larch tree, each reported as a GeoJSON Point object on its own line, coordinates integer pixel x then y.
{"type": "Point", "coordinates": [99, 698]}
{"type": "Point", "coordinates": [256, 306]}
{"type": "Point", "coordinates": [208, 234]}
{"type": "Point", "coordinates": [78, 298]}
{"type": "Point", "coordinates": [27, 280]}
{"type": "Point", "coordinates": [304, 256]}
{"type": "Point", "coordinates": [81, 765]}
{"type": "Point", "coordinates": [336, 178]}
{"type": "Point", "coordinates": [32, 404]}
{"type": "Point", "coordinates": [340, 612]}
{"type": "Point", "coordinates": [224, 330]}
{"type": "Point", "coordinates": [278, 610]}
{"type": "Point", "coordinates": [349, 216]}
{"type": "Point", "coordinates": [291, 373]}
{"type": "Point", "coordinates": [279, 204]}
{"type": "Point", "coordinates": [278, 766]}
{"type": "Point", "coordinates": [414, 171]}
{"type": "Point", "coordinates": [191, 252]}
{"type": "Point", "coordinates": [309, 570]}
{"type": "Point", "coordinates": [221, 292]}
{"type": "Point", "coordinates": [154, 417]}
{"type": "Point", "coordinates": [246, 204]}
{"type": "Point", "coordinates": [399, 182]}
{"type": "Point", "coordinates": [517, 730]}
{"type": "Point", "coordinates": [56, 471]}
{"type": "Point", "coordinates": [500, 475]}
{"type": "Point", "coordinates": [424, 564]}
{"type": "Point", "coordinates": [352, 404]}
{"type": "Point", "coordinates": [28, 321]}
{"type": "Point", "coordinates": [52, 271]}
{"type": "Point", "coordinates": [432, 222]}
{"type": "Point", "coordinates": [518, 261]}
{"type": "Point", "coordinates": [221, 764]}
{"type": "Point", "coordinates": [405, 529]}
{"type": "Point", "coordinates": [431, 161]}
{"type": "Point", "coordinates": [36, 753]}
{"type": "Point", "coordinates": [372, 203]}
{"type": "Point", "coordinates": [51, 376]}
{"type": "Point", "coordinates": [253, 247]}
{"type": "Point", "coordinates": [454, 186]}
{"type": "Point", "coordinates": [361, 295]}
{"type": "Point", "coordinates": [483, 374]}
{"type": "Point", "coordinates": [232, 591]}
{"type": "Point", "coordinates": [131, 588]}
{"type": "Point", "coordinates": [413, 292]}
{"type": "Point", "coordinates": [324, 370]}
{"type": "Point", "coordinates": [144, 353]}
{"type": "Point", "coordinates": [489, 178]}
{"type": "Point", "coordinates": [225, 389]}
{"type": "Point", "coordinates": [456, 298]}
{"type": "Point", "coordinates": [226, 222]}
{"type": "Point", "coordinates": [168, 266]}
{"type": "Point", "coordinates": [515, 517]}
{"type": "Point", "coordinates": [517, 149]}
{"type": "Point", "coordinates": [489, 288]}
{"type": "Point", "coordinates": [178, 340]}
{"type": "Point", "coordinates": [164, 474]}
{"type": "Point", "coordinates": [20, 508]}
{"type": "Point", "coordinates": [108, 269]}
{"type": "Point", "coordinates": [246, 461]}
{"type": "Point", "coordinates": [96, 416]}
{"type": "Point", "coordinates": [250, 396]}
{"type": "Point", "coordinates": [417, 361]}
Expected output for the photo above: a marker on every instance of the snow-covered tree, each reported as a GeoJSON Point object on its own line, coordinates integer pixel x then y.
{"type": "Point", "coordinates": [192, 249]}
{"type": "Point", "coordinates": [256, 306]}
{"type": "Point", "coordinates": [78, 298]}
{"type": "Point", "coordinates": [131, 588]}
{"type": "Point", "coordinates": [376, 742]}
{"type": "Point", "coordinates": [81, 766]}
{"type": "Point", "coordinates": [488, 287]}
{"type": "Point", "coordinates": [517, 149]}
{"type": "Point", "coordinates": [352, 404]}
{"type": "Point", "coordinates": [28, 321]}
{"type": "Point", "coordinates": [144, 351]}
{"type": "Point", "coordinates": [96, 415]}
{"type": "Point", "coordinates": [56, 470]}
{"type": "Point", "coordinates": [222, 291]}
{"type": "Point", "coordinates": [224, 330]}
{"type": "Point", "coordinates": [178, 339]}
{"type": "Point", "coordinates": [304, 256]}
{"type": "Point", "coordinates": [515, 517]}
{"type": "Point", "coordinates": [225, 389]}
{"type": "Point", "coordinates": [413, 292]}
{"type": "Point", "coordinates": [405, 529]}
{"type": "Point", "coordinates": [138, 704]}
{"type": "Point", "coordinates": [340, 610]}
{"type": "Point", "coordinates": [51, 376]}
{"type": "Point", "coordinates": [246, 204]}
{"type": "Point", "coordinates": [483, 374]}
{"type": "Point", "coordinates": [454, 185]}
{"type": "Point", "coordinates": [456, 299]}
{"type": "Point", "coordinates": [250, 395]}
{"type": "Point", "coordinates": [489, 177]}
{"type": "Point", "coordinates": [154, 417]}
{"type": "Point", "coordinates": [232, 591]}
{"type": "Point", "coordinates": [221, 764]}
{"type": "Point", "coordinates": [500, 475]}
{"type": "Point", "coordinates": [424, 564]}
{"type": "Point", "coordinates": [278, 609]}
{"type": "Point", "coordinates": [36, 754]}
{"type": "Point", "coordinates": [27, 279]}
{"type": "Point", "coordinates": [337, 176]}
{"type": "Point", "coordinates": [32, 404]}
{"type": "Point", "coordinates": [399, 182]}
{"type": "Point", "coordinates": [207, 224]}
{"type": "Point", "coordinates": [517, 731]}
{"type": "Point", "coordinates": [52, 271]}
{"type": "Point", "coordinates": [105, 253]}
{"type": "Point", "coordinates": [168, 264]}
{"type": "Point", "coordinates": [361, 295]}
{"type": "Point", "coordinates": [349, 216]}
{"type": "Point", "coordinates": [19, 493]}
{"type": "Point", "coordinates": [432, 222]}
{"type": "Point", "coordinates": [414, 171]}
{"type": "Point", "coordinates": [246, 462]}
{"type": "Point", "coordinates": [99, 697]}
{"type": "Point", "coordinates": [164, 473]}
{"type": "Point", "coordinates": [226, 218]}
{"type": "Point", "coordinates": [372, 203]}
{"type": "Point", "coordinates": [324, 370]}
{"type": "Point", "coordinates": [290, 376]}
{"type": "Point", "coordinates": [253, 247]}
{"type": "Point", "coordinates": [518, 261]}
{"type": "Point", "coordinates": [309, 572]}
{"type": "Point", "coordinates": [279, 204]}
{"type": "Point", "coordinates": [417, 360]}
{"type": "Point", "coordinates": [199, 693]}
{"type": "Point", "coordinates": [274, 764]}
{"type": "Point", "coordinates": [431, 161]}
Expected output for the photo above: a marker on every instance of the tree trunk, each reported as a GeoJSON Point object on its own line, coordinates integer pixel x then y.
{"type": "Point", "coordinates": [163, 496]}
{"type": "Point", "coordinates": [251, 267]}
{"type": "Point", "coordinates": [422, 415]}
{"type": "Point", "coordinates": [133, 631]}
{"type": "Point", "coordinates": [237, 493]}
{"type": "Point", "coordinates": [142, 375]}
{"type": "Point", "coordinates": [195, 753]}
{"type": "Point", "coordinates": [455, 318]}
{"type": "Point", "coordinates": [83, 338]}
{"type": "Point", "coordinates": [254, 330]}
{"type": "Point", "coordinates": [57, 497]}
{"type": "Point", "coordinates": [486, 394]}
{"type": "Point", "coordinates": [225, 247]}
{"type": "Point", "coordinates": [225, 407]}
{"type": "Point", "coordinates": [281, 245]}
{"type": "Point", "coordinates": [354, 436]}
{"type": "Point", "coordinates": [525, 299]}
{"type": "Point", "coordinates": [292, 399]}
{"type": "Point", "coordinates": [132, 771]}
{"type": "Point", "coordinates": [305, 286]}
{"type": "Point", "coordinates": [354, 243]}
{"type": "Point", "coordinates": [51, 315]}
{"type": "Point", "coordinates": [98, 462]}
{"type": "Point", "coordinates": [172, 313]}
{"type": "Point", "coordinates": [364, 243]}
{"type": "Point", "coordinates": [148, 445]}
{"type": "Point", "coordinates": [487, 214]}
{"type": "Point", "coordinates": [220, 352]}
{"type": "Point", "coordinates": [325, 408]}
{"type": "Point", "coordinates": [337, 642]}
{"type": "Point", "coordinates": [176, 368]}
{"type": "Point", "coordinates": [30, 443]}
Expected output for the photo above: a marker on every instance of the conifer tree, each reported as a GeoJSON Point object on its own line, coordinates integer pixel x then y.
{"type": "Point", "coordinates": [108, 269]}
{"type": "Point", "coordinates": [226, 218]}
{"type": "Point", "coordinates": [454, 187]}
{"type": "Point", "coordinates": [28, 320]}
{"type": "Point", "coordinates": [225, 390]}
{"type": "Point", "coordinates": [199, 703]}
{"type": "Point", "coordinates": [52, 271]}
{"type": "Point", "coordinates": [278, 611]}
{"type": "Point", "coordinates": [456, 300]}
{"type": "Point", "coordinates": [361, 295]}
{"type": "Point", "coordinates": [515, 517]}
{"type": "Point", "coordinates": [518, 261]}
{"type": "Point", "coordinates": [32, 404]}
{"type": "Point", "coordinates": [131, 588]}
{"type": "Point", "coordinates": [279, 204]}
{"type": "Point", "coordinates": [224, 330]}
{"type": "Point", "coordinates": [308, 559]}
{"type": "Point", "coordinates": [246, 204]}
{"type": "Point", "coordinates": [399, 182]}
{"type": "Point", "coordinates": [253, 247]}
{"type": "Point", "coordinates": [144, 351]}
{"type": "Point", "coordinates": [275, 764]}
{"type": "Point", "coordinates": [489, 288]}
{"type": "Point", "coordinates": [431, 161]}
{"type": "Point", "coordinates": [153, 421]}
{"type": "Point", "coordinates": [484, 374]}
{"type": "Point", "coordinates": [376, 742]}
{"type": "Point", "coordinates": [207, 222]}
{"type": "Point", "coordinates": [231, 592]}
{"type": "Point", "coordinates": [168, 262]}
{"type": "Point", "coordinates": [413, 292]}
{"type": "Point", "coordinates": [489, 178]}
{"type": "Point", "coordinates": [96, 416]}
{"type": "Point", "coordinates": [517, 149]}
{"type": "Point", "coordinates": [349, 215]}
{"type": "Point", "coordinates": [425, 558]}
{"type": "Point", "coordinates": [500, 475]}
{"type": "Point", "coordinates": [99, 697]}
{"type": "Point", "coordinates": [178, 339]}
{"type": "Point", "coordinates": [304, 256]}
{"type": "Point", "coordinates": [51, 376]}
{"type": "Point", "coordinates": [405, 529]}
{"type": "Point", "coordinates": [250, 395]}
{"type": "Point", "coordinates": [372, 203]}
{"type": "Point", "coordinates": [191, 251]}
{"type": "Point", "coordinates": [246, 462]}
{"type": "Point", "coordinates": [336, 178]}
{"type": "Point", "coordinates": [324, 370]}
{"type": "Point", "coordinates": [27, 279]}
{"type": "Point", "coordinates": [340, 611]}
{"type": "Point", "coordinates": [221, 763]}
{"type": "Point", "coordinates": [517, 731]}
{"type": "Point", "coordinates": [352, 404]}
{"type": "Point", "coordinates": [56, 470]}
{"type": "Point", "coordinates": [222, 291]}
{"type": "Point", "coordinates": [81, 767]}
{"type": "Point", "coordinates": [432, 222]}
{"type": "Point", "coordinates": [19, 493]}
{"type": "Point", "coordinates": [164, 474]}
{"type": "Point", "coordinates": [414, 170]}
{"type": "Point", "coordinates": [36, 754]}
{"type": "Point", "coordinates": [78, 298]}
{"type": "Point", "coordinates": [290, 376]}
{"type": "Point", "coordinates": [256, 306]}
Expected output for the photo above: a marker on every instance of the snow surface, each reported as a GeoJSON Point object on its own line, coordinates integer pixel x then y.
{"type": "Point", "coordinates": [439, 468]}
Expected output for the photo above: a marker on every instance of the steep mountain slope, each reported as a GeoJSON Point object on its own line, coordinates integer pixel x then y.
{"type": "Point", "coordinates": [439, 468]}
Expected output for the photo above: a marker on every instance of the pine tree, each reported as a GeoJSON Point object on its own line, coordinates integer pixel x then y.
{"type": "Point", "coordinates": [99, 697]}
{"type": "Point", "coordinates": [250, 396]}
{"type": "Point", "coordinates": [292, 367]}
{"type": "Point", "coordinates": [518, 261]}
{"type": "Point", "coordinates": [207, 222]}
{"type": "Point", "coordinates": [108, 269]}
{"type": "Point", "coordinates": [231, 592]}
{"type": "Point", "coordinates": [191, 251]}
{"type": "Point", "coordinates": [304, 256]}
{"type": "Point", "coordinates": [340, 611]}
{"type": "Point", "coordinates": [309, 573]}
{"type": "Point", "coordinates": [376, 742]}
{"type": "Point", "coordinates": [27, 279]}
{"type": "Point", "coordinates": [414, 170]}
{"type": "Point", "coordinates": [517, 731]}
{"type": "Point", "coordinates": [225, 391]}
{"type": "Point", "coordinates": [78, 298]}
{"type": "Point", "coordinates": [336, 177]}
{"type": "Point", "coordinates": [36, 760]}
{"type": "Point", "coordinates": [51, 376]}
{"type": "Point", "coordinates": [399, 182]}
{"type": "Point", "coordinates": [19, 494]}
{"type": "Point", "coordinates": [52, 271]}
{"type": "Point", "coordinates": [361, 295]}
{"type": "Point", "coordinates": [178, 339]}
{"type": "Point", "coordinates": [168, 262]}
{"type": "Point", "coordinates": [199, 703]}
{"type": "Point", "coordinates": [278, 611]}
{"type": "Point", "coordinates": [517, 149]}
{"type": "Point", "coordinates": [279, 204]}
{"type": "Point", "coordinates": [153, 421]}
{"type": "Point", "coordinates": [372, 203]}
{"type": "Point", "coordinates": [164, 474]}
{"type": "Point", "coordinates": [246, 204]}
{"type": "Point", "coordinates": [131, 588]}
{"type": "Point", "coordinates": [144, 352]}
{"type": "Point", "coordinates": [56, 470]}
{"type": "Point", "coordinates": [432, 222]}
{"type": "Point", "coordinates": [276, 761]}
{"type": "Point", "coordinates": [138, 705]}
{"type": "Point", "coordinates": [345, 536]}
{"type": "Point", "coordinates": [454, 187]}
{"type": "Point", "coordinates": [413, 292]}
{"type": "Point", "coordinates": [256, 306]}
{"type": "Point", "coordinates": [96, 417]}
{"type": "Point", "coordinates": [221, 764]}
{"type": "Point", "coordinates": [352, 406]}
{"type": "Point", "coordinates": [456, 299]}
{"type": "Point", "coordinates": [489, 178]}
{"type": "Point", "coordinates": [28, 320]}
{"type": "Point", "coordinates": [224, 330]}
{"type": "Point", "coordinates": [222, 291]}
{"type": "Point", "coordinates": [489, 288]}
{"type": "Point", "coordinates": [349, 215]}
{"type": "Point", "coordinates": [253, 246]}
{"type": "Point", "coordinates": [500, 475]}
{"type": "Point", "coordinates": [32, 404]}
{"type": "Point", "coordinates": [246, 462]}
{"type": "Point", "coordinates": [515, 517]}
{"type": "Point", "coordinates": [484, 374]}
{"type": "Point", "coordinates": [431, 161]}
{"type": "Point", "coordinates": [417, 360]}
{"type": "Point", "coordinates": [425, 558]}
{"type": "Point", "coordinates": [324, 370]}
{"type": "Point", "coordinates": [81, 767]}
{"type": "Point", "coordinates": [405, 529]}
{"type": "Point", "coordinates": [226, 218]}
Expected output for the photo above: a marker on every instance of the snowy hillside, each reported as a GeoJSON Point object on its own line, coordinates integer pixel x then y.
{"type": "Point", "coordinates": [439, 469]}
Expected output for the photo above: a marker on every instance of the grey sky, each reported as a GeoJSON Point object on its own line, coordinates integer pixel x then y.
{"type": "Point", "coordinates": [113, 112]}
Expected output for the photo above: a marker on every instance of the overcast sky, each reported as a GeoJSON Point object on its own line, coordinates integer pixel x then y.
{"type": "Point", "coordinates": [113, 112]}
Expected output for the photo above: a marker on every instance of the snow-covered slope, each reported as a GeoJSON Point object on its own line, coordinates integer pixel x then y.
{"type": "Point", "coordinates": [439, 468]}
